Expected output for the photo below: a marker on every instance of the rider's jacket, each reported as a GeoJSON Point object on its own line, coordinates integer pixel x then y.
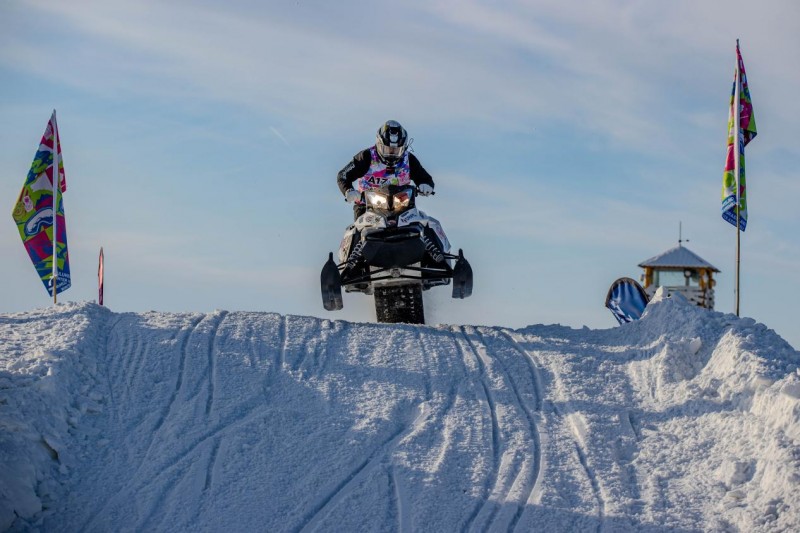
{"type": "Point", "coordinates": [380, 173]}
{"type": "Point", "coordinates": [371, 172]}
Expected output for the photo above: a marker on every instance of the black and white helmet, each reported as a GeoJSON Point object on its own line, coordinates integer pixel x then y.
{"type": "Point", "coordinates": [391, 142]}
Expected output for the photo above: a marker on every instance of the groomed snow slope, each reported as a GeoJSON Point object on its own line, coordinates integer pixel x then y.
{"type": "Point", "coordinates": [686, 420]}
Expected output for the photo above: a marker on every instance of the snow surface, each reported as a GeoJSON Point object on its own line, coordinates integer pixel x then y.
{"type": "Point", "coordinates": [685, 420]}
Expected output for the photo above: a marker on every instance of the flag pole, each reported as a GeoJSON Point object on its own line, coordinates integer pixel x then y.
{"type": "Point", "coordinates": [100, 277]}
{"type": "Point", "coordinates": [737, 169]}
{"type": "Point", "coordinates": [56, 187]}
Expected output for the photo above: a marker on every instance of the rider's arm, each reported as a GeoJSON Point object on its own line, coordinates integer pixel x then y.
{"type": "Point", "coordinates": [353, 170]}
{"type": "Point", "coordinates": [418, 174]}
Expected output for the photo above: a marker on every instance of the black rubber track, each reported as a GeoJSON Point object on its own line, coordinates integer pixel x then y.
{"type": "Point", "coordinates": [400, 304]}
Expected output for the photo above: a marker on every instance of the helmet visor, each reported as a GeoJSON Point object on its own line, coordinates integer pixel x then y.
{"type": "Point", "coordinates": [390, 152]}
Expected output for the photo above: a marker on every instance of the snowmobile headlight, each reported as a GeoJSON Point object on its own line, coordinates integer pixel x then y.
{"type": "Point", "coordinates": [377, 200]}
{"type": "Point", "coordinates": [402, 199]}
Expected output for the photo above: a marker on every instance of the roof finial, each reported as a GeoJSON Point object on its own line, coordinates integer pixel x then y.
{"type": "Point", "coordinates": [680, 234]}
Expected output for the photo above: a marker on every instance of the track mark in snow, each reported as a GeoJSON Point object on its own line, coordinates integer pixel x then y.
{"type": "Point", "coordinates": [132, 355]}
{"type": "Point", "coordinates": [577, 428]}
{"type": "Point", "coordinates": [211, 463]}
{"type": "Point", "coordinates": [253, 414]}
{"type": "Point", "coordinates": [120, 345]}
{"type": "Point", "coordinates": [491, 481]}
{"type": "Point", "coordinates": [212, 363]}
{"type": "Point", "coordinates": [167, 489]}
{"type": "Point", "coordinates": [126, 355]}
{"type": "Point", "coordinates": [173, 467]}
{"type": "Point", "coordinates": [530, 482]}
{"type": "Point", "coordinates": [441, 371]}
{"type": "Point", "coordinates": [265, 342]}
{"type": "Point", "coordinates": [118, 351]}
{"type": "Point", "coordinates": [106, 358]}
{"type": "Point", "coordinates": [538, 387]}
{"type": "Point", "coordinates": [343, 489]}
{"type": "Point", "coordinates": [538, 391]}
{"type": "Point", "coordinates": [183, 353]}
{"type": "Point", "coordinates": [401, 503]}
{"type": "Point", "coordinates": [283, 341]}
{"type": "Point", "coordinates": [322, 355]}
{"type": "Point", "coordinates": [517, 481]}
{"type": "Point", "coordinates": [427, 360]}
{"type": "Point", "coordinates": [297, 359]}
{"type": "Point", "coordinates": [340, 491]}
{"type": "Point", "coordinates": [634, 426]}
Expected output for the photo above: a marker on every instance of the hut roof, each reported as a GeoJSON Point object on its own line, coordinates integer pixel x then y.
{"type": "Point", "coordinates": [678, 257]}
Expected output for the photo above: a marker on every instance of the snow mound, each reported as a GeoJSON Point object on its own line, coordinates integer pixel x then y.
{"type": "Point", "coordinates": [685, 419]}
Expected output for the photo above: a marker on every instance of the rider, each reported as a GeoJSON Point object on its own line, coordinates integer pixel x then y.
{"type": "Point", "coordinates": [387, 160]}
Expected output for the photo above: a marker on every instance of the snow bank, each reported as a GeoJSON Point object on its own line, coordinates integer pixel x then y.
{"type": "Point", "coordinates": [686, 419]}
{"type": "Point", "coordinates": [724, 415]}
{"type": "Point", "coordinates": [48, 368]}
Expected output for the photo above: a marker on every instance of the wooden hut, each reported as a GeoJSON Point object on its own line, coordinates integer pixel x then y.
{"type": "Point", "coordinates": [680, 270]}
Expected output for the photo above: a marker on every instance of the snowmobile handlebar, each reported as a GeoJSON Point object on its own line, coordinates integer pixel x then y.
{"type": "Point", "coordinates": [387, 188]}
{"type": "Point", "coordinates": [415, 188]}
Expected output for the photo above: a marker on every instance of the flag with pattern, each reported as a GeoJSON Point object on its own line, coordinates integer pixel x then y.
{"type": "Point", "coordinates": [745, 131]}
{"type": "Point", "coordinates": [34, 212]}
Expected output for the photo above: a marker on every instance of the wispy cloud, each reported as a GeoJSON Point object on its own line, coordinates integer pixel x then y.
{"type": "Point", "coordinates": [626, 72]}
{"type": "Point", "coordinates": [278, 134]}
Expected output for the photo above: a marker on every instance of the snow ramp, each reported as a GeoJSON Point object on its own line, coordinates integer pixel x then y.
{"type": "Point", "coordinates": [230, 421]}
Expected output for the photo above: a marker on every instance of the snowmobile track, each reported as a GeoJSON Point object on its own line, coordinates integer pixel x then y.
{"type": "Point", "coordinates": [174, 466]}
{"type": "Point", "coordinates": [534, 479]}
{"type": "Point", "coordinates": [284, 341]}
{"type": "Point", "coordinates": [338, 329]}
{"type": "Point", "coordinates": [107, 330]}
{"type": "Point", "coordinates": [307, 357]}
{"type": "Point", "coordinates": [428, 359]}
{"type": "Point", "coordinates": [212, 366]}
{"type": "Point", "coordinates": [364, 469]}
{"type": "Point", "coordinates": [481, 360]}
{"type": "Point", "coordinates": [184, 352]}
{"type": "Point", "coordinates": [401, 505]}
{"type": "Point", "coordinates": [577, 437]}
{"type": "Point", "coordinates": [519, 469]}
{"type": "Point", "coordinates": [115, 371]}
{"type": "Point", "coordinates": [580, 448]}
{"type": "Point", "coordinates": [211, 464]}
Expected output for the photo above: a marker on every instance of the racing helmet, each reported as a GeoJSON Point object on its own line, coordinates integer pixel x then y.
{"type": "Point", "coordinates": [391, 142]}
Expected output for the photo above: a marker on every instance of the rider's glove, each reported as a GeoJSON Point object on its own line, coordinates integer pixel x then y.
{"type": "Point", "coordinates": [425, 189]}
{"type": "Point", "coordinates": [351, 196]}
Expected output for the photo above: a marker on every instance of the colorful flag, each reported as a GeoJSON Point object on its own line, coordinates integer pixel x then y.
{"type": "Point", "coordinates": [745, 131]}
{"type": "Point", "coordinates": [100, 278]}
{"type": "Point", "coordinates": [34, 216]}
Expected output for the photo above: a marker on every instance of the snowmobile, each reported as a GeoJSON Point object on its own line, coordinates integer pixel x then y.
{"type": "Point", "coordinates": [395, 252]}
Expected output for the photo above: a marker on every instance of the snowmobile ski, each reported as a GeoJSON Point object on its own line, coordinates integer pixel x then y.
{"type": "Point", "coordinates": [462, 277]}
{"type": "Point", "coordinates": [331, 282]}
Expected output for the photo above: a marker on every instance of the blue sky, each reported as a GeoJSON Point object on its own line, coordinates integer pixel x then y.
{"type": "Point", "coordinates": [568, 141]}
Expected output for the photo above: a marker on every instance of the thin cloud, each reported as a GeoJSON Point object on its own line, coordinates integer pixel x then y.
{"type": "Point", "coordinates": [279, 136]}
{"type": "Point", "coordinates": [618, 72]}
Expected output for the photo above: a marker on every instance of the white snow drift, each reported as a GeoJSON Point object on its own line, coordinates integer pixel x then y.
{"type": "Point", "coordinates": [685, 420]}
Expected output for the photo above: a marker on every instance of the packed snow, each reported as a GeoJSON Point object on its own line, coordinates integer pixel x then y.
{"type": "Point", "coordinates": [685, 420]}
